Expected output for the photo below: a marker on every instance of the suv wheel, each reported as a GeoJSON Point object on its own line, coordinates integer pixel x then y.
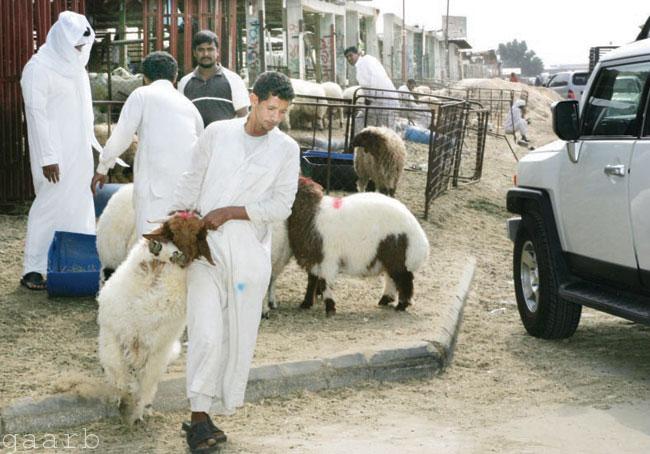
{"type": "Point", "coordinates": [535, 271]}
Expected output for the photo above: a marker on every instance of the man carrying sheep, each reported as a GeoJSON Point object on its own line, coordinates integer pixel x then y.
{"type": "Point", "coordinates": [217, 92]}
{"type": "Point", "coordinates": [59, 114]}
{"type": "Point", "coordinates": [168, 126]}
{"type": "Point", "coordinates": [371, 74]}
{"type": "Point", "coordinates": [243, 177]}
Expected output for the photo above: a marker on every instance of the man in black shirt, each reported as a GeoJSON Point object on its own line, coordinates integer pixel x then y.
{"type": "Point", "coordinates": [217, 92]}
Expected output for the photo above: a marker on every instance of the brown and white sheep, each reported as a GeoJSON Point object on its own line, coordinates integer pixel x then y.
{"type": "Point", "coordinates": [142, 310]}
{"type": "Point", "coordinates": [379, 155]}
{"type": "Point", "coordinates": [364, 234]}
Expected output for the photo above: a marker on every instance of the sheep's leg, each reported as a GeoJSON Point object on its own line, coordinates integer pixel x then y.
{"type": "Point", "coordinates": [112, 361]}
{"type": "Point", "coordinates": [389, 291]}
{"type": "Point", "coordinates": [310, 294]}
{"type": "Point", "coordinates": [391, 192]}
{"type": "Point", "coordinates": [328, 295]}
{"type": "Point", "coordinates": [362, 183]}
{"type": "Point", "coordinates": [404, 282]}
{"type": "Point", "coordinates": [273, 304]}
{"type": "Point", "coordinates": [149, 377]}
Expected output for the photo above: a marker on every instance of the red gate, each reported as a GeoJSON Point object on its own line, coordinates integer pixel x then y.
{"type": "Point", "coordinates": [23, 27]}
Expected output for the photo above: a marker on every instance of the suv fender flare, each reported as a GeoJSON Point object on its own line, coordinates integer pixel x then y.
{"type": "Point", "coordinates": [520, 200]}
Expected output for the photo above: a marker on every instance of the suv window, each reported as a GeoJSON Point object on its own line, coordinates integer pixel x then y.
{"type": "Point", "coordinates": [580, 78]}
{"type": "Point", "coordinates": [612, 106]}
{"type": "Point", "coordinates": [560, 80]}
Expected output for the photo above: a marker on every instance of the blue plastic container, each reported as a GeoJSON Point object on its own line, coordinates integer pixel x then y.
{"type": "Point", "coordinates": [415, 134]}
{"type": "Point", "coordinates": [103, 195]}
{"type": "Point", "coordinates": [342, 175]}
{"type": "Point", "coordinates": [72, 265]}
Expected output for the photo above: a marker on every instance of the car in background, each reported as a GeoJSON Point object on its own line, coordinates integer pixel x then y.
{"type": "Point", "coordinates": [569, 84]}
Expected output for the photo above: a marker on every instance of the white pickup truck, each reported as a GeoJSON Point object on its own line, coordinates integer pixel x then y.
{"type": "Point", "coordinates": [582, 237]}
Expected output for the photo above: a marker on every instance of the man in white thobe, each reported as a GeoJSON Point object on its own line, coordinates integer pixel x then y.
{"type": "Point", "coordinates": [243, 177]}
{"type": "Point", "coordinates": [515, 121]}
{"type": "Point", "coordinates": [372, 75]}
{"type": "Point", "coordinates": [59, 114]}
{"type": "Point", "coordinates": [168, 126]}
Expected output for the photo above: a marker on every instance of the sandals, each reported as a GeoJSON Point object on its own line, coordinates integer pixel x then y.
{"type": "Point", "coordinates": [203, 433]}
{"type": "Point", "coordinates": [33, 281]}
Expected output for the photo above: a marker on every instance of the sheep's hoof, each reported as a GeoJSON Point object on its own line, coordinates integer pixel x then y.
{"type": "Point", "coordinates": [273, 304]}
{"type": "Point", "coordinates": [385, 300]}
{"type": "Point", "coordinates": [402, 306]}
{"type": "Point", "coordinates": [266, 315]}
{"type": "Point", "coordinates": [306, 304]}
{"type": "Point", "coordinates": [330, 307]}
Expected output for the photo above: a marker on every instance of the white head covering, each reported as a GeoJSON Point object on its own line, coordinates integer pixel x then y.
{"type": "Point", "coordinates": [520, 103]}
{"type": "Point", "coordinates": [60, 55]}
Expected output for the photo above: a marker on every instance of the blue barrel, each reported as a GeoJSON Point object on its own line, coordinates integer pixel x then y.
{"type": "Point", "coordinates": [73, 265]}
{"type": "Point", "coordinates": [103, 195]}
{"type": "Point", "coordinates": [415, 134]}
{"type": "Point", "coordinates": [342, 174]}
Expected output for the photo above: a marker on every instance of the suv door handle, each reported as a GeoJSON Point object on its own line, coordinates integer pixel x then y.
{"type": "Point", "coordinates": [615, 170]}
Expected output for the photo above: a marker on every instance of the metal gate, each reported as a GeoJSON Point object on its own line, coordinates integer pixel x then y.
{"type": "Point", "coordinates": [23, 27]}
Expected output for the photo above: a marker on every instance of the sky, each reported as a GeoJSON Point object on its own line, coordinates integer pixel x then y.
{"type": "Point", "coordinates": [558, 31]}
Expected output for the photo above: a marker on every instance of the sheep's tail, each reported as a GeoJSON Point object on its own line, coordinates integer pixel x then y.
{"type": "Point", "coordinates": [417, 251]}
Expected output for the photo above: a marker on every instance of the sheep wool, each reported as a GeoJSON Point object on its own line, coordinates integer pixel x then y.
{"type": "Point", "coordinates": [380, 155]}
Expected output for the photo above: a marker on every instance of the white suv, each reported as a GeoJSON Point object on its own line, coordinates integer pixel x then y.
{"type": "Point", "coordinates": [569, 84]}
{"type": "Point", "coordinates": [583, 235]}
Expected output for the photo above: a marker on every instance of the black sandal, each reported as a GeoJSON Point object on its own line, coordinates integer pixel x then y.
{"type": "Point", "coordinates": [202, 433]}
{"type": "Point", "coordinates": [33, 281]}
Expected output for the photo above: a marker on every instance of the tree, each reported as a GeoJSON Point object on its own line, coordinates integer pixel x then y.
{"type": "Point", "coordinates": [516, 54]}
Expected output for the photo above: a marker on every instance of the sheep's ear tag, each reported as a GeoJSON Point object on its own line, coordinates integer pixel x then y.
{"type": "Point", "coordinates": [155, 247]}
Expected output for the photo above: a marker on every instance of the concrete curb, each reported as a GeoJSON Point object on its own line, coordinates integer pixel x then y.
{"type": "Point", "coordinates": [417, 360]}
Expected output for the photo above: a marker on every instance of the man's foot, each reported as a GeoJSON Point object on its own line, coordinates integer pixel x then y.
{"type": "Point", "coordinates": [203, 435]}
{"type": "Point", "coordinates": [523, 142]}
{"type": "Point", "coordinates": [33, 281]}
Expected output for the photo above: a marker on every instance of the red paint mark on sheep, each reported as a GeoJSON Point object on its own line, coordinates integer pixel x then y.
{"type": "Point", "coordinates": [337, 202]}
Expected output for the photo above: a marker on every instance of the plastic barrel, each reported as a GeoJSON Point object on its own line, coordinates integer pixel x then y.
{"type": "Point", "coordinates": [415, 134]}
{"type": "Point", "coordinates": [72, 265]}
{"type": "Point", "coordinates": [342, 176]}
{"type": "Point", "coordinates": [103, 195]}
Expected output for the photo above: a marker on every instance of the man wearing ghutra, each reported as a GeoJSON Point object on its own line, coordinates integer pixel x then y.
{"type": "Point", "coordinates": [243, 177]}
{"type": "Point", "coordinates": [59, 114]}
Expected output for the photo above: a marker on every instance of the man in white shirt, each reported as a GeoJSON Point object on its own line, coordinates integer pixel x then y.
{"type": "Point", "coordinates": [217, 92]}
{"type": "Point", "coordinates": [515, 121]}
{"type": "Point", "coordinates": [243, 177]}
{"type": "Point", "coordinates": [371, 74]}
{"type": "Point", "coordinates": [168, 125]}
{"type": "Point", "coordinates": [59, 115]}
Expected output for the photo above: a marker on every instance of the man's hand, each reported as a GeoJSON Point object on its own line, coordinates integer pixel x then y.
{"type": "Point", "coordinates": [216, 218]}
{"type": "Point", "coordinates": [367, 101]}
{"type": "Point", "coordinates": [51, 173]}
{"type": "Point", "coordinates": [98, 178]}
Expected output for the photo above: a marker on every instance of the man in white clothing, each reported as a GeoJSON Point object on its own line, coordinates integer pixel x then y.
{"type": "Point", "coordinates": [217, 92]}
{"type": "Point", "coordinates": [371, 74]}
{"type": "Point", "coordinates": [515, 121]}
{"type": "Point", "coordinates": [59, 114]}
{"type": "Point", "coordinates": [168, 126]}
{"type": "Point", "coordinates": [243, 177]}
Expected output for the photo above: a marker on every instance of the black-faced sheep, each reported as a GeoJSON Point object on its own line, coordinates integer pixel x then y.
{"type": "Point", "coordinates": [363, 234]}
{"type": "Point", "coordinates": [379, 155]}
{"type": "Point", "coordinates": [142, 310]}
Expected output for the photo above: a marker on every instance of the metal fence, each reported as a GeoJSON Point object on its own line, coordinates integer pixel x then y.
{"type": "Point", "coordinates": [468, 165]}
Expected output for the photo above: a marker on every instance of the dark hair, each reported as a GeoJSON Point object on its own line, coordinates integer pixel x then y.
{"type": "Point", "coordinates": [352, 49]}
{"type": "Point", "coordinates": [273, 83]}
{"type": "Point", "coordinates": [204, 36]}
{"type": "Point", "coordinates": [160, 65]}
{"type": "Point", "coordinates": [411, 81]}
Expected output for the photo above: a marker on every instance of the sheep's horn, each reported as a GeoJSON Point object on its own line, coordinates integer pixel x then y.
{"type": "Point", "coordinates": [158, 221]}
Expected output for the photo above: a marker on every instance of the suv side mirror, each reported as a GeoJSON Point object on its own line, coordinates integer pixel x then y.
{"type": "Point", "coordinates": [566, 124]}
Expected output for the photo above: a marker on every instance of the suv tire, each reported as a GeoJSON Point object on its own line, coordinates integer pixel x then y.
{"type": "Point", "coordinates": [535, 272]}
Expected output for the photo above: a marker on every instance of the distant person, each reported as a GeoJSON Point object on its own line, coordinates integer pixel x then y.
{"type": "Point", "coordinates": [372, 75]}
{"type": "Point", "coordinates": [217, 92]}
{"type": "Point", "coordinates": [59, 115]}
{"type": "Point", "coordinates": [168, 126]}
{"type": "Point", "coordinates": [513, 77]}
{"type": "Point", "coordinates": [516, 122]}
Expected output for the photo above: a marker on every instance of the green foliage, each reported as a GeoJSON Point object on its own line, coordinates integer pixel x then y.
{"type": "Point", "coordinates": [516, 54]}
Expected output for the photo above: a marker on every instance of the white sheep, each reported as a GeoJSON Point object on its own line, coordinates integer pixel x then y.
{"type": "Point", "coordinates": [142, 311]}
{"type": "Point", "coordinates": [333, 90]}
{"type": "Point", "coordinates": [116, 233]}
{"type": "Point", "coordinates": [379, 155]}
{"type": "Point", "coordinates": [363, 234]}
{"type": "Point", "coordinates": [301, 116]}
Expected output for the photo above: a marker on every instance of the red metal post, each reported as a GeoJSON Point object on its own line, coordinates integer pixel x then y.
{"type": "Point", "coordinates": [145, 27]}
{"type": "Point", "coordinates": [159, 25]}
{"type": "Point", "coordinates": [232, 39]}
{"type": "Point", "coordinates": [203, 14]}
{"type": "Point", "coordinates": [187, 37]}
{"type": "Point", "coordinates": [173, 30]}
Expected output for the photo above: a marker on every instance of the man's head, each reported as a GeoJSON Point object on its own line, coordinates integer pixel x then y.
{"type": "Point", "coordinates": [272, 94]}
{"type": "Point", "coordinates": [351, 55]}
{"type": "Point", "coordinates": [410, 84]}
{"type": "Point", "coordinates": [205, 48]}
{"type": "Point", "coordinates": [159, 65]}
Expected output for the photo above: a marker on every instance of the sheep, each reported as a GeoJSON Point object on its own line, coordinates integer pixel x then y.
{"type": "Point", "coordinates": [280, 256]}
{"type": "Point", "coordinates": [379, 155]}
{"type": "Point", "coordinates": [116, 233]}
{"type": "Point", "coordinates": [364, 234]}
{"type": "Point", "coordinates": [119, 174]}
{"type": "Point", "coordinates": [300, 116]}
{"type": "Point", "coordinates": [333, 90]}
{"type": "Point", "coordinates": [142, 310]}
